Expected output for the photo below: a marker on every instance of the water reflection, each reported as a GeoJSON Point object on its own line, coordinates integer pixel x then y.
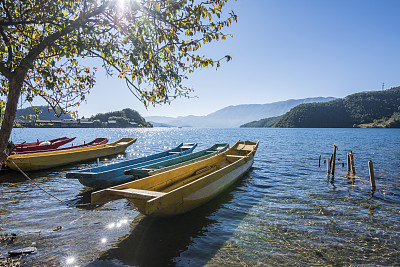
{"type": "Point", "coordinates": [7, 176]}
{"type": "Point", "coordinates": [158, 241]}
{"type": "Point", "coordinates": [83, 199]}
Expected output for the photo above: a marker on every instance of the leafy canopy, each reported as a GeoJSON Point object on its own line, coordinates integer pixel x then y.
{"type": "Point", "coordinates": [153, 45]}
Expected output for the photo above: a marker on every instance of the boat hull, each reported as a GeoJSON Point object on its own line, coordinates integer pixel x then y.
{"type": "Point", "coordinates": [42, 145]}
{"type": "Point", "coordinates": [193, 197]}
{"type": "Point", "coordinates": [95, 142]}
{"type": "Point", "coordinates": [40, 161]}
{"type": "Point", "coordinates": [174, 163]}
{"type": "Point", "coordinates": [113, 174]}
{"type": "Point", "coordinates": [180, 190]}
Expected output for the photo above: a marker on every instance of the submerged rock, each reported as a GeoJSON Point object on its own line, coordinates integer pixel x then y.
{"type": "Point", "coordinates": [9, 238]}
{"type": "Point", "coordinates": [21, 251]}
{"type": "Point", "coordinates": [58, 228]}
{"type": "Point", "coordinates": [9, 262]}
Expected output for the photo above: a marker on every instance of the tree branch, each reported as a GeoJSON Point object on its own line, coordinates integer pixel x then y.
{"type": "Point", "coordinates": [3, 69]}
{"type": "Point", "coordinates": [128, 82]}
{"type": "Point", "coordinates": [80, 21]}
{"type": "Point", "coordinates": [16, 23]}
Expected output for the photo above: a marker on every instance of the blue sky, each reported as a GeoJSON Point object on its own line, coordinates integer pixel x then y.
{"type": "Point", "coordinates": [283, 49]}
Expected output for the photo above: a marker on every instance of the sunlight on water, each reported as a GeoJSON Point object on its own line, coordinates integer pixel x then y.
{"type": "Point", "coordinates": [285, 211]}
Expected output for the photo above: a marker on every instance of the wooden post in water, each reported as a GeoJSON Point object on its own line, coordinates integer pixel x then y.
{"type": "Point", "coordinates": [371, 175]}
{"type": "Point", "coordinates": [328, 165]}
{"type": "Point", "coordinates": [348, 164]}
{"type": "Point", "coordinates": [353, 168]}
{"type": "Point", "coordinates": [319, 162]}
{"type": "Point", "coordinates": [334, 159]}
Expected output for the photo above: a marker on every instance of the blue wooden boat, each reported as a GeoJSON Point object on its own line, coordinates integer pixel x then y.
{"type": "Point", "coordinates": [169, 164]}
{"type": "Point", "coordinates": [183, 189]}
{"type": "Point", "coordinates": [113, 174]}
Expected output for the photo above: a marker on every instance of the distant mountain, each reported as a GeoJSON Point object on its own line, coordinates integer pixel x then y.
{"type": "Point", "coordinates": [156, 124]}
{"type": "Point", "coordinates": [47, 114]}
{"type": "Point", "coordinates": [369, 109]}
{"type": "Point", "coordinates": [234, 116]}
{"type": "Point", "coordinates": [170, 121]}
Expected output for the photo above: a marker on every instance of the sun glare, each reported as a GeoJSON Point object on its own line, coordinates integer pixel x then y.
{"type": "Point", "coordinates": [123, 3]}
{"type": "Point", "coordinates": [70, 260]}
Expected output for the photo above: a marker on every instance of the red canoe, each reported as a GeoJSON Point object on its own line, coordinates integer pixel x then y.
{"type": "Point", "coordinates": [42, 145]}
{"type": "Point", "coordinates": [95, 142]}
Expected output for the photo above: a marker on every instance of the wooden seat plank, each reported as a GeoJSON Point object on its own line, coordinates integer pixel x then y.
{"type": "Point", "coordinates": [136, 193]}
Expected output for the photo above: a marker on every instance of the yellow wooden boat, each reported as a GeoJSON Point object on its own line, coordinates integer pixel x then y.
{"type": "Point", "coordinates": [180, 190]}
{"type": "Point", "coordinates": [45, 160]}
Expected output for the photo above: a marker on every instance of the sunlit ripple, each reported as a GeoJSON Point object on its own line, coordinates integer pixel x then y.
{"type": "Point", "coordinates": [117, 225]}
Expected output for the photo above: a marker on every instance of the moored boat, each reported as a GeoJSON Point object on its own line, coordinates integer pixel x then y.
{"type": "Point", "coordinates": [177, 162]}
{"type": "Point", "coordinates": [113, 174]}
{"type": "Point", "coordinates": [95, 142]}
{"type": "Point", "coordinates": [180, 190]}
{"type": "Point", "coordinates": [41, 145]}
{"type": "Point", "coordinates": [45, 160]}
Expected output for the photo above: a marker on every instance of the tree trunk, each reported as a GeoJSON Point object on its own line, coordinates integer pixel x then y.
{"type": "Point", "coordinates": [15, 87]}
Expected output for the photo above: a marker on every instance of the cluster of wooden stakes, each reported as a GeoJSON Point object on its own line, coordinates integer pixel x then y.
{"type": "Point", "coordinates": [331, 164]}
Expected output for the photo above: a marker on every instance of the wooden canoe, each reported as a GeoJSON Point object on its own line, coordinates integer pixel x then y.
{"type": "Point", "coordinates": [45, 160]}
{"type": "Point", "coordinates": [42, 145]}
{"type": "Point", "coordinates": [113, 174]}
{"type": "Point", "coordinates": [180, 190]}
{"type": "Point", "coordinates": [95, 142]}
{"type": "Point", "coordinates": [169, 164]}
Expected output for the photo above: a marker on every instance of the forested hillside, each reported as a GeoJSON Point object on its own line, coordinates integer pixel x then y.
{"type": "Point", "coordinates": [47, 114]}
{"type": "Point", "coordinates": [123, 117]}
{"type": "Point", "coordinates": [264, 123]}
{"type": "Point", "coordinates": [353, 111]}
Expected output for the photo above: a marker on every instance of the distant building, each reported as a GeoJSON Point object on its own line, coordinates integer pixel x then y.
{"type": "Point", "coordinates": [112, 124]}
{"type": "Point", "coordinates": [48, 123]}
{"type": "Point", "coordinates": [25, 123]}
{"type": "Point", "coordinates": [86, 123]}
{"type": "Point", "coordinates": [70, 123]}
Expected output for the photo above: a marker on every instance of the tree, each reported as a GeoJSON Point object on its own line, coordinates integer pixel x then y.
{"type": "Point", "coordinates": [121, 121]}
{"type": "Point", "coordinates": [151, 44]}
{"type": "Point", "coordinates": [129, 114]}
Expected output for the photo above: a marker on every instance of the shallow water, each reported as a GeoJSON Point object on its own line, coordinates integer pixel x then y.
{"type": "Point", "coordinates": [285, 211]}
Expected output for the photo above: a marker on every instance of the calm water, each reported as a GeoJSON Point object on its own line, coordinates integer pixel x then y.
{"type": "Point", "coordinates": [285, 211]}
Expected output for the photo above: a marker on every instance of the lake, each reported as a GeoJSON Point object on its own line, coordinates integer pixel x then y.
{"type": "Point", "coordinates": [284, 211]}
